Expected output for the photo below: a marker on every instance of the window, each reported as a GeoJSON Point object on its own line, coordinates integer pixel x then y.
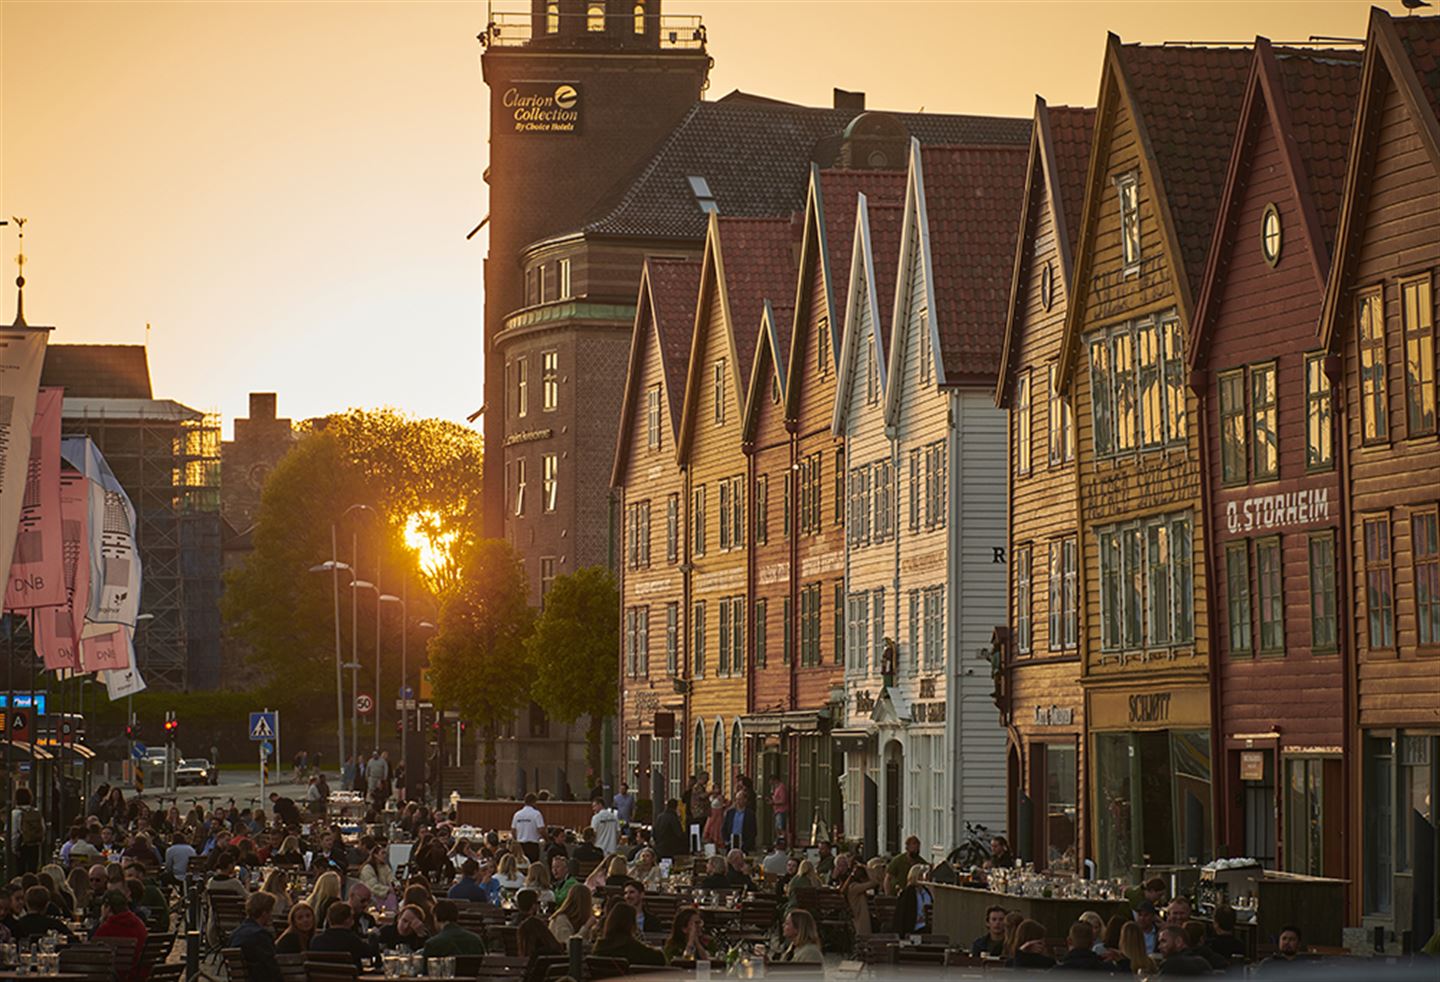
{"type": "Point", "coordinates": [858, 647]}
{"type": "Point", "coordinates": [810, 624]}
{"type": "Point", "coordinates": [822, 346]}
{"type": "Point", "coordinates": [787, 629]}
{"type": "Point", "coordinates": [1103, 422]}
{"type": "Point", "coordinates": [1062, 427]}
{"type": "Point", "coordinates": [540, 283]}
{"type": "Point", "coordinates": [1304, 815]}
{"type": "Point", "coordinates": [1234, 434]}
{"type": "Point", "coordinates": [564, 277]}
{"type": "Point", "coordinates": [532, 293]}
{"type": "Point", "coordinates": [547, 577]}
{"type": "Point", "coordinates": [737, 635]}
{"type": "Point", "coordinates": [637, 641]}
{"type": "Point", "coordinates": [552, 18]}
{"type": "Point", "coordinates": [1237, 595]}
{"type": "Point", "coordinates": [1417, 795]}
{"type": "Point", "coordinates": [872, 372]}
{"type": "Point", "coordinates": [811, 511]}
{"type": "Point", "coordinates": [672, 639]}
{"type": "Point", "coordinates": [1374, 401]}
{"type": "Point", "coordinates": [639, 17]}
{"type": "Point", "coordinates": [595, 17]}
{"type": "Point", "coordinates": [1047, 285]}
{"type": "Point", "coordinates": [1138, 405]}
{"type": "Point", "coordinates": [838, 624]}
{"type": "Point", "coordinates": [697, 747]}
{"type": "Point", "coordinates": [1122, 357]}
{"type": "Point", "coordinates": [1263, 425]}
{"type": "Point", "coordinates": [839, 508]}
{"type": "Point", "coordinates": [762, 509]}
{"type": "Point", "coordinates": [1146, 568]}
{"type": "Point", "coordinates": [552, 480]}
{"type": "Point", "coordinates": [1324, 633]}
{"type": "Point", "coordinates": [1023, 629]}
{"type": "Point", "coordinates": [858, 529]}
{"type": "Point", "coordinates": [704, 197]}
{"type": "Point", "coordinates": [697, 520]}
{"type": "Point", "coordinates": [652, 417]}
{"type": "Point", "coordinates": [522, 386]}
{"type": "Point", "coordinates": [637, 534]}
{"type": "Point", "coordinates": [1270, 234]}
{"type": "Point", "coordinates": [550, 380]}
{"type": "Point", "coordinates": [1319, 449]}
{"type": "Point", "coordinates": [761, 642]}
{"type": "Point", "coordinates": [1417, 315]}
{"type": "Point", "coordinates": [672, 528]}
{"type": "Point", "coordinates": [724, 621]}
{"type": "Point", "coordinates": [927, 350]}
{"type": "Point", "coordinates": [785, 502]}
{"type": "Point", "coordinates": [1379, 583]}
{"type": "Point", "coordinates": [1425, 547]}
{"type": "Point", "coordinates": [883, 475]}
{"type": "Point", "coordinates": [1128, 186]}
{"type": "Point", "coordinates": [519, 485]}
{"type": "Point", "coordinates": [676, 763]}
{"type": "Point", "coordinates": [697, 639]}
{"type": "Point", "coordinates": [1271, 594]}
{"type": "Point", "coordinates": [1174, 354]}
{"type": "Point", "coordinates": [1152, 424]}
{"type": "Point", "coordinates": [1022, 423]}
{"type": "Point", "coordinates": [1063, 604]}
{"type": "Point", "coordinates": [912, 653]}
{"type": "Point", "coordinates": [719, 371]}
{"type": "Point", "coordinates": [725, 539]}
{"type": "Point", "coordinates": [934, 626]}
{"type": "Point", "coordinates": [737, 512]}
{"type": "Point", "coordinates": [936, 484]}
{"type": "Point", "coordinates": [877, 625]}
{"type": "Point", "coordinates": [1159, 567]}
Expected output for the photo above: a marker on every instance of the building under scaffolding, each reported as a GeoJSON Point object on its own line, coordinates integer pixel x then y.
{"type": "Point", "coordinates": [167, 457]}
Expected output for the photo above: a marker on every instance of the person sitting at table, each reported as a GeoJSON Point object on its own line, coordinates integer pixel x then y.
{"type": "Point", "coordinates": [715, 874]}
{"type": "Point", "coordinates": [687, 937]}
{"type": "Point", "coordinates": [1197, 944]}
{"type": "Point", "coordinates": [253, 938]}
{"type": "Point", "coordinates": [576, 915]}
{"type": "Point", "coordinates": [1145, 918]}
{"type": "Point", "coordinates": [840, 870]}
{"type": "Point", "coordinates": [1289, 954]}
{"type": "Point", "coordinates": [299, 929]}
{"type": "Point", "coordinates": [327, 890]}
{"type": "Point", "coordinates": [1178, 958]}
{"type": "Point", "coordinates": [289, 853]}
{"type": "Point", "coordinates": [613, 872]}
{"type": "Point", "coordinates": [36, 921]}
{"type": "Point", "coordinates": [120, 922]}
{"type": "Point", "coordinates": [587, 851]}
{"type": "Point", "coordinates": [331, 854]}
{"type": "Point", "coordinates": [340, 936]}
{"type": "Point", "coordinates": [806, 878]}
{"type": "Point", "coordinates": [646, 869]}
{"type": "Point", "coordinates": [1133, 956]}
{"type": "Point", "coordinates": [359, 900]}
{"type": "Point", "coordinates": [802, 938]}
{"type": "Point", "coordinates": [856, 886]}
{"type": "Point", "coordinates": [1028, 947]}
{"type": "Point", "coordinates": [992, 942]}
{"type": "Point", "coordinates": [1080, 953]}
{"type": "Point", "coordinates": [277, 884]}
{"type": "Point", "coordinates": [534, 940]}
{"type": "Point", "coordinates": [411, 928]}
{"type": "Point", "coordinates": [910, 906]}
{"type": "Point", "coordinates": [451, 938]}
{"type": "Point", "coordinates": [377, 874]}
{"type": "Point", "coordinates": [537, 878]}
{"type": "Point", "coordinates": [468, 886]}
{"type": "Point", "coordinates": [507, 872]}
{"type": "Point", "coordinates": [1223, 940]}
{"type": "Point", "coordinates": [634, 895]}
{"type": "Point", "coordinates": [79, 884]}
{"type": "Point", "coordinates": [561, 879]}
{"type": "Point", "coordinates": [135, 890]}
{"type": "Point", "coordinates": [618, 939]}
{"type": "Point", "coordinates": [737, 871]}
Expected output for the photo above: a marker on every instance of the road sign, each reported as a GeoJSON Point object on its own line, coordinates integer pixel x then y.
{"type": "Point", "coordinates": [267, 748]}
{"type": "Point", "coordinates": [139, 750]}
{"type": "Point", "coordinates": [262, 726]}
{"type": "Point", "coordinates": [407, 692]}
{"type": "Point", "coordinates": [364, 704]}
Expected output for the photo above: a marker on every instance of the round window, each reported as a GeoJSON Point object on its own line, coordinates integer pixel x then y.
{"type": "Point", "coordinates": [1047, 285]}
{"type": "Point", "coordinates": [1270, 234]}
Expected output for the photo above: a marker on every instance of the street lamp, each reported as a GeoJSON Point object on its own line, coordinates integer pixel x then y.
{"type": "Point", "coordinates": [354, 622]}
{"type": "Point", "coordinates": [333, 567]}
{"type": "Point", "coordinates": [366, 585]}
{"type": "Point", "coordinates": [404, 601]}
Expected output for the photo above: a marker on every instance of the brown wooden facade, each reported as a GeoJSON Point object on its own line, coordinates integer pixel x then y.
{"type": "Point", "coordinates": [1274, 503]}
{"type": "Point", "coordinates": [1378, 324]}
{"type": "Point", "coordinates": [1043, 704]}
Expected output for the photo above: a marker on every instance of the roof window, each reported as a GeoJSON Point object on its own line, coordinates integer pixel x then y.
{"type": "Point", "coordinates": [704, 197]}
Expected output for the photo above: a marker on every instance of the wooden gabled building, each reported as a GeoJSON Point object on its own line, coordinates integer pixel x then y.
{"type": "Point", "coordinates": [651, 490]}
{"type": "Point", "coordinates": [1165, 118]}
{"type": "Point", "coordinates": [1040, 698]}
{"type": "Point", "coordinates": [1378, 325]}
{"type": "Point", "coordinates": [1273, 499]}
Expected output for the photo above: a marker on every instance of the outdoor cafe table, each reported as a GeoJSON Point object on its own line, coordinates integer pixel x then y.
{"type": "Point", "coordinates": [959, 912]}
{"type": "Point", "coordinates": [11, 973]}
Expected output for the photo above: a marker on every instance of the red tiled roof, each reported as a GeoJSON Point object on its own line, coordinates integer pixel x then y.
{"type": "Point", "coordinates": [759, 257]}
{"type": "Point", "coordinates": [98, 371]}
{"type": "Point", "coordinates": [674, 285]}
{"type": "Point", "coordinates": [1321, 89]}
{"type": "Point", "coordinates": [1189, 101]}
{"type": "Point", "coordinates": [972, 199]}
{"type": "Point", "coordinates": [839, 189]}
{"type": "Point", "coordinates": [886, 221]}
{"type": "Point", "coordinates": [1070, 130]}
{"type": "Point", "coordinates": [1420, 37]}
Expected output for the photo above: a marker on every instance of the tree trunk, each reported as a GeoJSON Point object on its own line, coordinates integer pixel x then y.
{"type": "Point", "coordinates": [592, 748]}
{"type": "Point", "coordinates": [490, 761]}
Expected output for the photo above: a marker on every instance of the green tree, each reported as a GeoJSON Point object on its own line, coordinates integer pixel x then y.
{"type": "Point", "coordinates": [477, 656]}
{"type": "Point", "coordinates": [574, 652]}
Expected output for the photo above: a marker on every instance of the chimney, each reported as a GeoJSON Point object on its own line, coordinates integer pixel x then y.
{"type": "Point", "coordinates": [854, 101]}
{"type": "Point", "coordinates": [262, 405]}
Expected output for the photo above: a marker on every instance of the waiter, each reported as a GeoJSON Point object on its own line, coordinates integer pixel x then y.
{"type": "Point", "coordinates": [526, 825]}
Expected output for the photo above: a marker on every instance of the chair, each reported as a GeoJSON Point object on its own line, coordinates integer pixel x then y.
{"type": "Point", "coordinates": [882, 911]}
{"type": "Point", "coordinates": [503, 938]}
{"type": "Point", "coordinates": [326, 970]}
{"type": "Point", "coordinates": [171, 972]}
{"type": "Point", "coordinates": [232, 958]}
{"type": "Point", "coordinates": [606, 968]}
{"type": "Point", "coordinates": [124, 954]}
{"type": "Point", "coordinates": [157, 949]}
{"type": "Point", "coordinates": [292, 967]}
{"type": "Point", "coordinates": [94, 961]}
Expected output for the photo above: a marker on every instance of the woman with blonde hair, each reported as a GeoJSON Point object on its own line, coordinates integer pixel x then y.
{"type": "Point", "coordinates": [576, 915]}
{"type": "Point", "coordinates": [1013, 920]}
{"type": "Point", "coordinates": [289, 853]}
{"type": "Point", "coordinates": [646, 869]}
{"type": "Point", "coordinates": [1029, 944]}
{"type": "Point", "coordinates": [537, 878]}
{"type": "Point", "coordinates": [508, 872]}
{"type": "Point", "coordinates": [612, 868]}
{"type": "Point", "coordinates": [325, 893]}
{"type": "Point", "coordinates": [52, 877]}
{"type": "Point", "coordinates": [805, 877]}
{"type": "Point", "coordinates": [277, 884]}
{"type": "Point", "coordinates": [79, 883]}
{"type": "Point", "coordinates": [802, 937]}
{"type": "Point", "coordinates": [1132, 949]}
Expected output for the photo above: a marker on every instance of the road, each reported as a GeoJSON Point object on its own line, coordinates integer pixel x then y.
{"type": "Point", "coordinates": [243, 786]}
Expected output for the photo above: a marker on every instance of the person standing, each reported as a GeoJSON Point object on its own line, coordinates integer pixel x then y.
{"type": "Point", "coordinates": [738, 827]}
{"type": "Point", "coordinates": [780, 805]}
{"type": "Point", "coordinates": [897, 874]}
{"type": "Point", "coordinates": [526, 825]}
{"type": "Point", "coordinates": [624, 804]}
{"type": "Point", "coordinates": [697, 812]}
{"type": "Point", "coordinates": [605, 822]}
{"type": "Point", "coordinates": [669, 837]}
{"type": "Point", "coordinates": [28, 832]}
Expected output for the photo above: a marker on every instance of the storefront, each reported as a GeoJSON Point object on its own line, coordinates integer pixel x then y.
{"type": "Point", "coordinates": [1045, 761]}
{"type": "Point", "coordinates": [1150, 771]}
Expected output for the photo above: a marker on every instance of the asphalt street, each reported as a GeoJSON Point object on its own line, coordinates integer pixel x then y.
{"type": "Point", "coordinates": [243, 786]}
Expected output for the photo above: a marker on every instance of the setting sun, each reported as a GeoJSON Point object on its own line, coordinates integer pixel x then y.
{"type": "Point", "coordinates": [423, 534]}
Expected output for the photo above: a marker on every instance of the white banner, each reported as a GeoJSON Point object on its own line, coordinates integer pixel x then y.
{"type": "Point", "coordinates": [22, 354]}
{"type": "Point", "coordinates": [124, 682]}
{"type": "Point", "coordinates": [114, 559]}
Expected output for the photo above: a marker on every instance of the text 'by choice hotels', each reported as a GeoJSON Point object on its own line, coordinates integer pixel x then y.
{"type": "Point", "coordinates": [543, 107]}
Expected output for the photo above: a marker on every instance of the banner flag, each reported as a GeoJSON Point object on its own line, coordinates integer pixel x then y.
{"type": "Point", "coordinates": [37, 576]}
{"type": "Point", "coordinates": [106, 652]}
{"type": "Point", "coordinates": [113, 557]}
{"type": "Point", "coordinates": [22, 353]}
{"type": "Point", "coordinates": [123, 682]}
{"type": "Point", "coordinates": [57, 631]}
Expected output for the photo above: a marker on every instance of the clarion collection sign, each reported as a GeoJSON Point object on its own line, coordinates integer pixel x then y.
{"type": "Point", "coordinates": [543, 107]}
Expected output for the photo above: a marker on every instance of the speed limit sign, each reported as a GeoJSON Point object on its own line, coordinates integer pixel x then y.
{"type": "Point", "coordinates": [364, 704]}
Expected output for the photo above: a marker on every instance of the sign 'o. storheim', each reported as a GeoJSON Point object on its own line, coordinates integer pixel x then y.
{"type": "Point", "coordinates": [543, 107]}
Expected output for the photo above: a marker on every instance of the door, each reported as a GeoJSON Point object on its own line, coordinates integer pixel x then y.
{"type": "Point", "coordinates": [894, 795]}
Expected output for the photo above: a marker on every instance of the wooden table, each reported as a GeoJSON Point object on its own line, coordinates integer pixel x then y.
{"type": "Point", "coordinates": [11, 973]}
{"type": "Point", "coordinates": [960, 911]}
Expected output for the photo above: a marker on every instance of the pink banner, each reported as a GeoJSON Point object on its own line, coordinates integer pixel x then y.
{"type": "Point", "coordinates": [106, 652]}
{"type": "Point", "coordinates": [37, 577]}
{"type": "Point", "coordinates": [57, 629]}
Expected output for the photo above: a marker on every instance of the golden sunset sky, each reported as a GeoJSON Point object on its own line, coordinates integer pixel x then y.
{"type": "Point", "coordinates": [283, 189]}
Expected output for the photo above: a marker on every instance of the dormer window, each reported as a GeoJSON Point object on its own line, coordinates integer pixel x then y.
{"type": "Point", "coordinates": [595, 17]}
{"type": "Point", "coordinates": [704, 197]}
{"type": "Point", "coordinates": [552, 18]}
{"type": "Point", "coordinates": [1128, 188]}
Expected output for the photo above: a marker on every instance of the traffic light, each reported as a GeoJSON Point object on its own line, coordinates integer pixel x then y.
{"type": "Point", "coordinates": [172, 728]}
{"type": "Point", "coordinates": [132, 732]}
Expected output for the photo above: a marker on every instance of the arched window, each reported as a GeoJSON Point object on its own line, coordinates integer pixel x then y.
{"type": "Point", "coordinates": [595, 17]}
{"type": "Point", "coordinates": [698, 750]}
{"type": "Point", "coordinates": [639, 18]}
{"type": "Point", "coordinates": [737, 760]}
{"type": "Point", "coordinates": [717, 752]}
{"type": "Point", "coordinates": [552, 18]}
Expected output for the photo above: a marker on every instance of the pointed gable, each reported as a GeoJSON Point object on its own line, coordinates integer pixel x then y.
{"type": "Point", "coordinates": [772, 347]}
{"type": "Point", "coordinates": [870, 296]}
{"type": "Point", "coordinates": [664, 322]}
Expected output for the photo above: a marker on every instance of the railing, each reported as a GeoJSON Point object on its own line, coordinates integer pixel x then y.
{"type": "Point", "coordinates": [515, 27]}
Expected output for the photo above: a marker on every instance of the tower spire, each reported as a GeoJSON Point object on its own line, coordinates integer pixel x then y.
{"type": "Point", "coordinates": [20, 275]}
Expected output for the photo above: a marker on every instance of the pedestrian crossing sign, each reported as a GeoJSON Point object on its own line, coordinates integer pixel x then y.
{"type": "Point", "coordinates": [262, 726]}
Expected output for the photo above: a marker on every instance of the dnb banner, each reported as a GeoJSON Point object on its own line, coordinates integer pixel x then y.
{"type": "Point", "coordinates": [543, 107]}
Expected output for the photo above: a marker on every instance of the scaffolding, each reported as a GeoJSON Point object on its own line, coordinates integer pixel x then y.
{"type": "Point", "coordinates": [167, 457]}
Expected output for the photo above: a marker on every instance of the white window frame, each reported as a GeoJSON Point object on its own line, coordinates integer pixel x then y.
{"type": "Point", "coordinates": [550, 380]}
{"type": "Point", "coordinates": [552, 481]}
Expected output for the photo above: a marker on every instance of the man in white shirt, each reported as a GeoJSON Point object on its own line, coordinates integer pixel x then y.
{"type": "Point", "coordinates": [177, 859]}
{"type": "Point", "coordinates": [606, 823]}
{"type": "Point", "coordinates": [527, 824]}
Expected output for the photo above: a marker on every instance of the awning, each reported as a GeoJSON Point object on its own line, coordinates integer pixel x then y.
{"type": "Point", "coordinates": [795, 721]}
{"type": "Point", "coordinates": [20, 750]}
{"type": "Point", "coordinates": [77, 750]}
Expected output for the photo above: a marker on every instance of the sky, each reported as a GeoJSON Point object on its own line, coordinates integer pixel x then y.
{"type": "Point", "coordinates": [281, 190]}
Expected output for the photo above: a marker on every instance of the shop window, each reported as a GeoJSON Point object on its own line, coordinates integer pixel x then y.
{"type": "Point", "coordinates": [1305, 816]}
{"type": "Point", "coordinates": [1379, 824]}
{"type": "Point", "coordinates": [1152, 792]}
{"type": "Point", "coordinates": [1259, 811]}
{"type": "Point", "coordinates": [1263, 400]}
{"type": "Point", "coordinates": [1374, 400]}
{"type": "Point", "coordinates": [1324, 619]}
{"type": "Point", "coordinates": [1062, 806]}
{"type": "Point", "coordinates": [1379, 583]}
{"type": "Point", "coordinates": [1417, 317]}
{"type": "Point", "coordinates": [1425, 547]}
{"type": "Point", "coordinates": [1319, 434]}
{"type": "Point", "coordinates": [1417, 794]}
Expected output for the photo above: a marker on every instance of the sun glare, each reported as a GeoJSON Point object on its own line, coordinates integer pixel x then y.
{"type": "Point", "coordinates": [430, 544]}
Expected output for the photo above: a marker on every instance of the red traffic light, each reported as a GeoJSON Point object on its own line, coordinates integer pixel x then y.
{"type": "Point", "coordinates": [171, 726]}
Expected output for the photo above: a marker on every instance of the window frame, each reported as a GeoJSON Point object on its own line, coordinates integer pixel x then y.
{"type": "Point", "coordinates": [1024, 600]}
{"type": "Point", "coordinates": [1426, 567]}
{"type": "Point", "coordinates": [1061, 424]}
{"type": "Point", "coordinates": [563, 278]}
{"type": "Point", "coordinates": [718, 372]}
{"type": "Point", "coordinates": [1271, 408]}
{"type": "Point", "coordinates": [1234, 427]}
{"type": "Point", "coordinates": [1239, 602]}
{"type": "Point", "coordinates": [697, 520]}
{"type": "Point", "coordinates": [759, 610]}
{"type": "Point", "coordinates": [551, 487]}
{"type": "Point", "coordinates": [1374, 404]}
{"type": "Point", "coordinates": [520, 482]}
{"type": "Point", "coordinates": [697, 639]}
{"type": "Point", "coordinates": [522, 386]}
{"type": "Point", "coordinates": [1270, 594]}
{"type": "Point", "coordinates": [1319, 592]}
{"type": "Point", "coordinates": [672, 528]}
{"type": "Point", "coordinates": [1024, 424]}
{"type": "Point", "coordinates": [1319, 415]}
{"type": "Point", "coordinates": [672, 638]}
{"type": "Point", "coordinates": [1379, 571]}
{"type": "Point", "coordinates": [653, 436]}
{"type": "Point", "coordinates": [1421, 336]}
{"type": "Point", "coordinates": [1271, 212]}
{"type": "Point", "coordinates": [1127, 190]}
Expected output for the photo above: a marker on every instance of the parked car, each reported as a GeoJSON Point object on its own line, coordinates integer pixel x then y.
{"type": "Point", "coordinates": [196, 770]}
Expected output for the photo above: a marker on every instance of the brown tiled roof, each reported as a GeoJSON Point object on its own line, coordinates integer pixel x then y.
{"type": "Point", "coordinates": [755, 156]}
{"type": "Point", "coordinates": [1421, 38]}
{"type": "Point", "coordinates": [98, 371]}
{"type": "Point", "coordinates": [1189, 102]}
{"type": "Point", "coordinates": [674, 285]}
{"type": "Point", "coordinates": [1321, 89]}
{"type": "Point", "coordinates": [886, 221]}
{"type": "Point", "coordinates": [1070, 130]}
{"type": "Point", "coordinates": [839, 189]}
{"type": "Point", "coordinates": [759, 257]}
{"type": "Point", "coordinates": [972, 200]}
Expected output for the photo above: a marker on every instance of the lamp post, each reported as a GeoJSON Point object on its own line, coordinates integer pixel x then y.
{"type": "Point", "coordinates": [367, 585]}
{"type": "Point", "coordinates": [355, 629]}
{"type": "Point", "coordinates": [334, 567]}
{"type": "Point", "coordinates": [404, 601]}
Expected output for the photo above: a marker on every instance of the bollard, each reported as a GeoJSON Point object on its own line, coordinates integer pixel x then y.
{"type": "Point", "coordinates": [577, 956]}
